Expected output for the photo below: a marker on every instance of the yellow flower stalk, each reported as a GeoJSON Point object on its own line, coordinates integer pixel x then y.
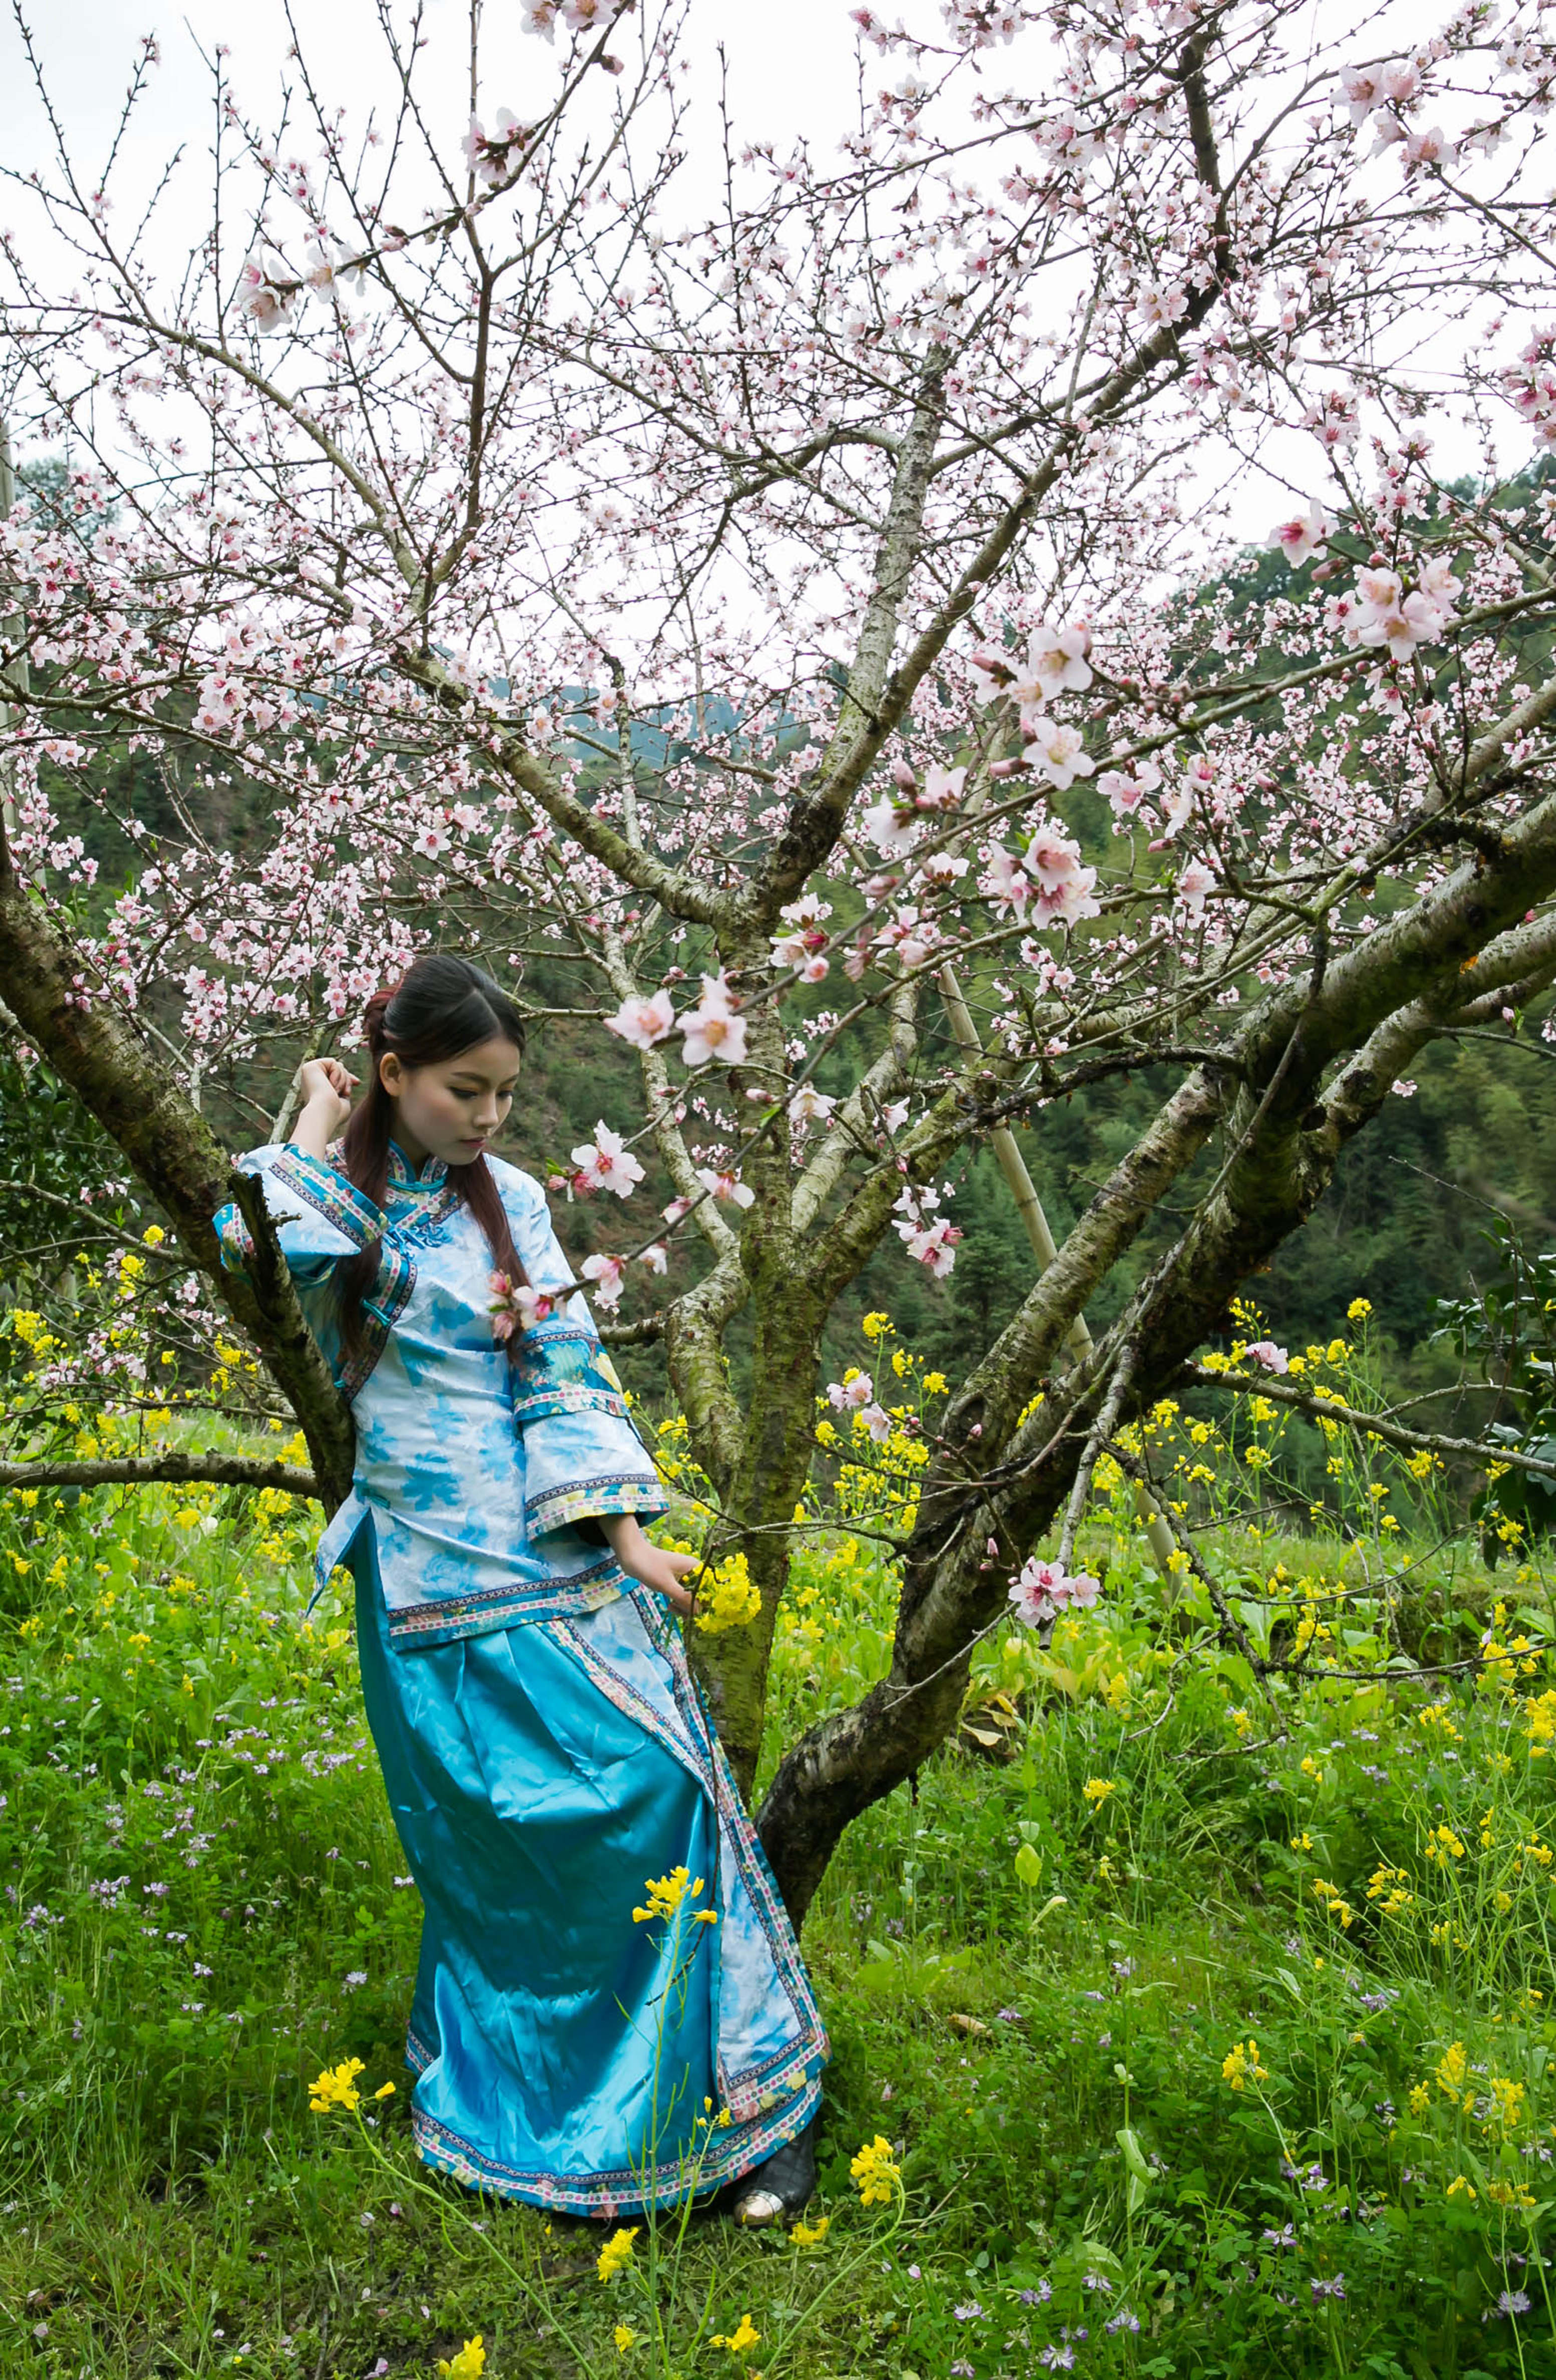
{"type": "Point", "coordinates": [666, 1894]}
{"type": "Point", "coordinates": [1240, 2065]}
{"type": "Point", "coordinates": [617, 2250]}
{"type": "Point", "coordinates": [468, 2365]}
{"type": "Point", "coordinates": [336, 2087]}
{"type": "Point", "coordinates": [876, 2172]}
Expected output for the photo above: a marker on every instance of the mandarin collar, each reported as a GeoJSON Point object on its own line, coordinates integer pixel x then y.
{"type": "Point", "coordinates": [404, 1177]}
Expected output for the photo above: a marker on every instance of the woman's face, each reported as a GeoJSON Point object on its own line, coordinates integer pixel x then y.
{"type": "Point", "coordinates": [451, 1109]}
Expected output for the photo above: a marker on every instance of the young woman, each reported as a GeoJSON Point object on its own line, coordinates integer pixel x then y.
{"type": "Point", "coordinates": [546, 1753]}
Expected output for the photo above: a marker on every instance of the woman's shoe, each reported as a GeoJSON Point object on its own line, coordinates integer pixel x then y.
{"type": "Point", "coordinates": [782, 2186]}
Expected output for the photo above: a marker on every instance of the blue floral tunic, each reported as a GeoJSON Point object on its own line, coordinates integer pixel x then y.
{"type": "Point", "coordinates": [545, 1750]}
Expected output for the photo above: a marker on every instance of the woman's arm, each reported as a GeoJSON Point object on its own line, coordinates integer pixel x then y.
{"type": "Point", "coordinates": [325, 1087]}
{"type": "Point", "coordinates": [649, 1564]}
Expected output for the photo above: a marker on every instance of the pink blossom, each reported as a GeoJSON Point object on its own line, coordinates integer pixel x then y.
{"type": "Point", "coordinates": [1196, 882]}
{"type": "Point", "coordinates": [1057, 752]}
{"type": "Point", "coordinates": [1158, 305]}
{"type": "Point", "coordinates": [494, 158]}
{"type": "Point", "coordinates": [1042, 1589]}
{"type": "Point", "coordinates": [1300, 539]}
{"type": "Point", "coordinates": [1064, 885]}
{"type": "Point", "coordinates": [1056, 660]}
{"type": "Point", "coordinates": [1266, 1353]}
{"type": "Point", "coordinates": [810, 1106]}
{"type": "Point", "coordinates": [643, 1022]}
{"type": "Point", "coordinates": [846, 1396]}
{"type": "Point", "coordinates": [607, 1274]}
{"type": "Point", "coordinates": [891, 825]}
{"type": "Point", "coordinates": [516, 1306]}
{"type": "Point", "coordinates": [934, 1247]}
{"type": "Point", "coordinates": [655, 1259]}
{"type": "Point", "coordinates": [1126, 789]}
{"type": "Point", "coordinates": [268, 290]}
{"type": "Point", "coordinates": [1004, 884]}
{"type": "Point", "coordinates": [605, 1164]}
{"type": "Point", "coordinates": [712, 1028]}
{"type": "Point", "coordinates": [1429, 148]}
{"type": "Point", "coordinates": [877, 1420]}
{"type": "Point", "coordinates": [728, 1189]}
{"type": "Point", "coordinates": [1362, 88]}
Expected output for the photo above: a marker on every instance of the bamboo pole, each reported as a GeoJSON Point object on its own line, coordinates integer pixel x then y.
{"type": "Point", "coordinates": [1028, 1206]}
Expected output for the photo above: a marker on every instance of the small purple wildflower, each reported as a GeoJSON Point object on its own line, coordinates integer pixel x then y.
{"type": "Point", "coordinates": [1334, 2289]}
{"type": "Point", "coordinates": [1512, 2302]}
{"type": "Point", "coordinates": [971, 2311]}
{"type": "Point", "coordinates": [1123, 2320]}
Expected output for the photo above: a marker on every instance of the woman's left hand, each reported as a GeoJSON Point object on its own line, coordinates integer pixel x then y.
{"type": "Point", "coordinates": [650, 1565]}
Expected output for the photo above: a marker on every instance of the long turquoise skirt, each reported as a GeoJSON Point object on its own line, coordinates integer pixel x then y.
{"type": "Point", "coordinates": [542, 1777]}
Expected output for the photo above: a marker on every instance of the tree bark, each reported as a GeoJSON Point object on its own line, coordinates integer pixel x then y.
{"type": "Point", "coordinates": [174, 1153]}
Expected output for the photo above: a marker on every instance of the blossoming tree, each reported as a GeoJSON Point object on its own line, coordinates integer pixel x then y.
{"type": "Point", "coordinates": [733, 594]}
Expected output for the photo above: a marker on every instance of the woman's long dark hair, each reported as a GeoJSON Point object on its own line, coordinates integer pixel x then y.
{"type": "Point", "coordinates": [441, 1007]}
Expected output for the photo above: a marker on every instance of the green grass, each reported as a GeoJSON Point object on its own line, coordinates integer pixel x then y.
{"type": "Point", "coordinates": [1033, 1994]}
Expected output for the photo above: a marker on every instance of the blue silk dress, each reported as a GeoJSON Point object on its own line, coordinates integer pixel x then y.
{"type": "Point", "coordinates": [546, 1752]}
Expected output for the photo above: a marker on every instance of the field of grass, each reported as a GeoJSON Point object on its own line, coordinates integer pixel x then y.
{"type": "Point", "coordinates": [1206, 2022]}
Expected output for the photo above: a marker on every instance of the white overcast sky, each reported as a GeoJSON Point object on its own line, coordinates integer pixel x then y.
{"type": "Point", "coordinates": [791, 64]}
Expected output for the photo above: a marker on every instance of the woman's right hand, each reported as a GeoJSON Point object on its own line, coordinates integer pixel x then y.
{"type": "Point", "coordinates": [324, 1090]}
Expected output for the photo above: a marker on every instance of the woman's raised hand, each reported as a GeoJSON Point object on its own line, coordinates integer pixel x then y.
{"type": "Point", "coordinates": [650, 1565]}
{"type": "Point", "coordinates": [325, 1091]}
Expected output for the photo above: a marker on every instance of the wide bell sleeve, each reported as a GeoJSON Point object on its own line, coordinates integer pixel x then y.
{"type": "Point", "coordinates": [319, 1215]}
{"type": "Point", "coordinates": [583, 1460]}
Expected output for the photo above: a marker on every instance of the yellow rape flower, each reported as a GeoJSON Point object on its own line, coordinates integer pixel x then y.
{"type": "Point", "coordinates": [622, 2336]}
{"type": "Point", "coordinates": [876, 2172]}
{"type": "Point", "coordinates": [1507, 2102]}
{"type": "Point", "coordinates": [743, 2335]}
{"type": "Point", "coordinates": [810, 2235]}
{"type": "Point", "coordinates": [1240, 2065]}
{"type": "Point", "coordinates": [666, 1894]}
{"type": "Point", "coordinates": [617, 2250]}
{"type": "Point", "coordinates": [727, 1597]}
{"type": "Point", "coordinates": [1096, 1790]}
{"type": "Point", "coordinates": [1358, 1310]}
{"type": "Point", "coordinates": [336, 2087]}
{"type": "Point", "coordinates": [1451, 2069]}
{"type": "Point", "coordinates": [468, 2365]}
{"type": "Point", "coordinates": [875, 1325]}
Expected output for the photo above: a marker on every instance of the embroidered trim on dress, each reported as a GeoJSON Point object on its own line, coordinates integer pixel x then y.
{"type": "Point", "coordinates": [453, 1616]}
{"type": "Point", "coordinates": [339, 1201]}
{"type": "Point", "coordinates": [731, 2152]}
{"type": "Point", "coordinates": [745, 2091]}
{"type": "Point", "coordinates": [564, 1371]}
{"type": "Point", "coordinates": [391, 1295]}
{"type": "Point", "coordinates": [589, 1500]}
{"type": "Point", "coordinates": [234, 1240]}
{"type": "Point", "coordinates": [569, 1397]}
